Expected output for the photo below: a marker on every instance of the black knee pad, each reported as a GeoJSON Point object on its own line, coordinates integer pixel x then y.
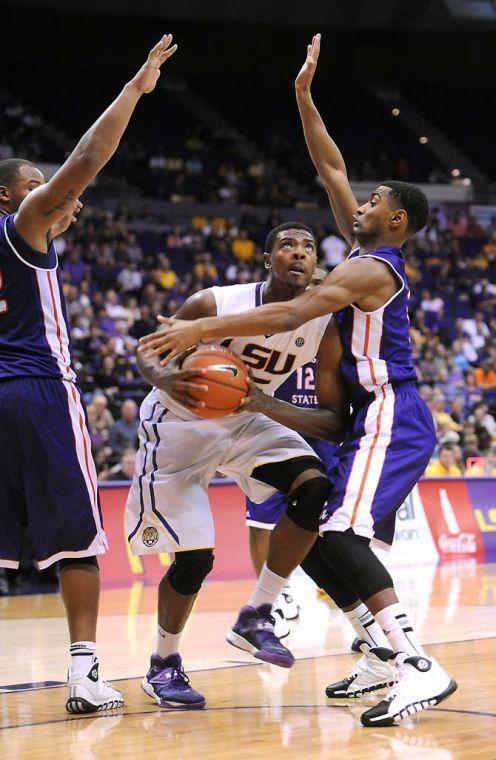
{"type": "Point", "coordinates": [189, 570]}
{"type": "Point", "coordinates": [352, 559]}
{"type": "Point", "coordinates": [307, 501]}
{"type": "Point", "coordinates": [78, 561]}
{"type": "Point", "coordinates": [325, 577]}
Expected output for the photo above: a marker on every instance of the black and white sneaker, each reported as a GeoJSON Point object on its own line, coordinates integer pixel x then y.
{"type": "Point", "coordinates": [285, 602]}
{"type": "Point", "coordinates": [374, 671]}
{"type": "Point", "coordinates": [420, 683]}
{"type": "Point", "coordinates": [91, 693]}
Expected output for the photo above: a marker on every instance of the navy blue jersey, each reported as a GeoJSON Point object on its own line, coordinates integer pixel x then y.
{"type": "Point", "coordinates": [34, 331]}
{"type": "Point", "coordinates": [376, 344]}
{"type": "Point", "coordinates": [299, 388]}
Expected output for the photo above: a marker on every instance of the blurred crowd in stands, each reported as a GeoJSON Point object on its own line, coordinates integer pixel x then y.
{"type": "Point", "coordinates": [117, 281]}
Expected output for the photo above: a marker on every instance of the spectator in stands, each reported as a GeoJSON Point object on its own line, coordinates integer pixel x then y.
{"type": "Point", "coordinates": [123, 433]}
{"type": "Point", "coordinates": [101, 415]}
{"type": "Point", "coordinates": [124, 470]}
{"type": "Point", "coordinates": [485, 375]}
{"type": "Point", "coordinates": [242, 247]}
{"type": "Point", "coordinates": [334, 250]}
{"type": "Point", "coordinates": [164, 275]}
{"type": "Point", "coordinates": [130, 279]}
{"type": "Point", "coordinates": [445, 464]}
{"type": "Point", "coordinates": [204, 269]}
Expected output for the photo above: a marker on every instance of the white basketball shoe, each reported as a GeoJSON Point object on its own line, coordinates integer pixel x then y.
{"type": "Point", "coordinates": [285, 602]}
{"type": "Point", "coordinates": [374, 671]}
{"type": "Point", "coordinates": [420, 683]}
{"type": "Point", "coordinates": [91, 693]}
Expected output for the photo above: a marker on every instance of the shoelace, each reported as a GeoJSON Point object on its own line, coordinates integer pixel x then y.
{"type": "Point", "coordinates": [179, 672]}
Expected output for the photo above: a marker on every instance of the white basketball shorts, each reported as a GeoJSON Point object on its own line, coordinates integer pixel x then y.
{"type": "Point", "coordinates": [167, 507]}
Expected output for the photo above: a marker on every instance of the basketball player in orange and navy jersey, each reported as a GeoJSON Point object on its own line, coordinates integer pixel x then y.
{"type": "Point", "coordinates": [300, 390]}
{"type": "Point", "coordinates": [391, 437]}
{"type": "Point", "coordinates": [47, 476]}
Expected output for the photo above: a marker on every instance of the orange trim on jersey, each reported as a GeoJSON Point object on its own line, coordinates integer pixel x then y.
{"type": "Point", "coordinates": [85, 446]}
{"type": "Point", "coordinates": [366, 348]}
{"type": "Point", "coordinates": [59, 332]}
{"type": "Point", "coordinates": [369, 459]}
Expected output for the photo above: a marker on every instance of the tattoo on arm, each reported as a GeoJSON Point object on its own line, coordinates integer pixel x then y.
{"type": "Point", "coordinates": [63, 202]}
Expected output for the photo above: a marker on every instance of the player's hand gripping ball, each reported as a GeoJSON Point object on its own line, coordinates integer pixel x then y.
{"type": "Point", "coordinates": [225, 376]}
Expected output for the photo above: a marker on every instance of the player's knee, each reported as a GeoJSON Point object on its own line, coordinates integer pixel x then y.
{"type": "Point", "coordinates": [189, 570]}
{"type": "Point", "coordinates": [338, 550]}
{"type": "Point", "coordinates": [307, 501]}
{"type": "Point", "coordinates": [72, 561]}
{"type": "Point", "coordinates": [352, 559]}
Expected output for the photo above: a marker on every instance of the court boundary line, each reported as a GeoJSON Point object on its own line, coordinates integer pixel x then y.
{"type": "Point", "coordinates": [161, 710]}
{"type": "Point", "coordinates": [237, 664]}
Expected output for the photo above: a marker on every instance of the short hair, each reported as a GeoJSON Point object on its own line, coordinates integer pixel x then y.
{"type": "Point", "coordinates": [413, 200]}
{"type": "Point", "coordinates": [272, 236]}
{"type": "Point", "coordinates": [446, 447]}
{"type": "Point", "coordinates": [9, 169]}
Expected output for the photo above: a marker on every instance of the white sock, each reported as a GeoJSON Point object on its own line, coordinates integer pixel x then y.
{"type": "Point", "coordinates": [269, 586]}
{"type": "Point", "coordinates": [366, 627]}
{"type": "Point", "coordinates": [82, 656]}
{"type": "Point", "coordinates": [398, 631]}
{"type": "Point", "coordinates": [167, 643]}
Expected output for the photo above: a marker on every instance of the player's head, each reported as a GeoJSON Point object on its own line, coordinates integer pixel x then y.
{"type": "Point", "coordinates": [17, 178]}
{"type": "Point", "coordinates": [395, 211]}
{"type": "Point", "coordinates": [291, 254]}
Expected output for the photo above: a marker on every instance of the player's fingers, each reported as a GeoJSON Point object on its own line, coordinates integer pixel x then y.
{"type": "Point", "coordinates": [186, 399]}
{"type": "Point", "coordinates": [167, 53]}
{"type": "Point", "coordinates": [185, 374]}
{"type": "Point", "coordinates": [166, 320]}
{"type": "Point", "coordinates": [182, 387]}
{"type": "Point", "coordinates": [161, 45]}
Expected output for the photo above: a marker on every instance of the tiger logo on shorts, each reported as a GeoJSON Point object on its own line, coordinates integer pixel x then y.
{"type": "Point", "coordinates": [150, 536]}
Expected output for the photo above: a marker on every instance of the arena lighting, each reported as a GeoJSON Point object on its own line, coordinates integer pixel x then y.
{"type": "Point", "coordinates": [423, 140]}
{"type": "Point", "coordinates": [395, 112]}
{"type": "Point", "coordinates": [455, 172]}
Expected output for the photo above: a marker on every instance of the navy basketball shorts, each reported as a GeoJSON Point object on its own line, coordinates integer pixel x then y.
{"type": "Point", "coordinates": [384, 454]}
{"type": "Point", "coordinates": [266, 514]}
{"type": "Point", "coordinates": [47, 475]}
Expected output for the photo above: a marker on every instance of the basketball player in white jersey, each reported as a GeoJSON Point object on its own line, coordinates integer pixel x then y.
{"type": "Point", "coordinates": [168, 508]}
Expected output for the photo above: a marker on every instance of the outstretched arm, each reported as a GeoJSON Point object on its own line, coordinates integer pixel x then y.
{"type": "Point", "coordinates": [173, 379]}
{"type": "Point", "coordinates": [324, 152]}
{"type": "Point", "coordinates": [348, 283]}
{"type": "Point", "coordinates": [46, 205]}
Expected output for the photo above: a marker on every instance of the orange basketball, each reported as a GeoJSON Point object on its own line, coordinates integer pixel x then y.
{"type": "Point", "coordinates": [225, 375]}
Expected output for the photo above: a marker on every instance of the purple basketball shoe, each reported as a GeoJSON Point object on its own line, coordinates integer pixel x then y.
{"type": "Point", "coordinates": [253, 631]}
{"type": "Point", "coordinates": [167, 683]}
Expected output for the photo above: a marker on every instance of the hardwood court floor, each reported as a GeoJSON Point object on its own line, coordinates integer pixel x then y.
{"type": "Point", "coordinates": [252, 710]}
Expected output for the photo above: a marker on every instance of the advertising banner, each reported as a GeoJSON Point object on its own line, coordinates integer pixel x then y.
{"type": "Point", "coordinates": [413, 542]}
{"type": "Point", "coordinates": [482, 492]}
{"type": "Point", "coordinates": [451, 518]}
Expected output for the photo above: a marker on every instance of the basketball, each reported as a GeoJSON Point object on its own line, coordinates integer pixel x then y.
{"type": "Point", "coordinates": [226, 378]}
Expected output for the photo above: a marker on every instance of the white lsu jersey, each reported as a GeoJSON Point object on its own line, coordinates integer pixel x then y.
{"type": "Point", "coordinates": [272, 358]}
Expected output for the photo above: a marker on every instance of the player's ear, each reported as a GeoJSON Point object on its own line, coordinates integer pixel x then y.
{"type": "Point", "coordinates": [398, 218]}
{"type": "Point", "coordinates": [4, 194]}
{"type": "Point", "coordinates": [267, 261]}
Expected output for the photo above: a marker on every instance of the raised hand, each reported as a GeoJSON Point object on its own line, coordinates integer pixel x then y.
{"type": "Point", "coordinates": [307, 71]}
{"type": "Point", "coordinates": [146, 78]}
